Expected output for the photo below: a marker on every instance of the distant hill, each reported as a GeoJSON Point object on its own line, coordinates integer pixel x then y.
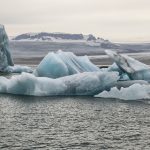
{"type": "Point", "coordinates": [90, 39]}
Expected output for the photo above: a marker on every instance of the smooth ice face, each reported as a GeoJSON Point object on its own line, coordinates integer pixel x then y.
{"type": "Point", "coordinates": [135, 69]}
{"type": "Point", "coordinates": [55, 65]}
{"type": "Point", "coordinates": [134, 92]}
{"type": "Point", "coordinates": [88, 83]}
{"type": "Point", "coordinates": [5, 56]}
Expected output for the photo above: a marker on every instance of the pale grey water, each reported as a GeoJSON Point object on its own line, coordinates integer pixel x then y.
{"type": "Point", "coordinates": [71, 123]}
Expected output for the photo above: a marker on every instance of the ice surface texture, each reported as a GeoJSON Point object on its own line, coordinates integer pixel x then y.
{"type": "Point", "coordinates": [135, 69]}
{"type": "Point", "coordinates": [88, 83]}
{"type": "Point", "coordinates": [55, 65]}
{"type": "Point", "coordinates": [137, 88]}
{"type": "Point", "coordinates": [6, 61]}
{"type": "Point", "coordinates": [134, 92]}
{"type": "Point", "coordinates": [18, 69]}
{"type": "Point", "coordinates": [64, 73]}
{"type": "Point", "coordinates": [5, 56]}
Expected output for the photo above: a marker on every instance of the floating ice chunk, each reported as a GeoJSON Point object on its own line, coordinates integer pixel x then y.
{"type": "Point", "coordinates": [6, 62]}
{"type": "Point", "coordinates": [126, 63]}
{"type": "Point", "coordinates": [5, 56]}
{"type": "Point", "coordinates": [55, 65]}
{"type": "Point", "coordinates": [135, 69]}
{"type": "Point", "coordinates": [134, 92]}
{"type": "Point", "coordinates": [88, 83]}
{"type": "Point", "coordinates": [18, 69]}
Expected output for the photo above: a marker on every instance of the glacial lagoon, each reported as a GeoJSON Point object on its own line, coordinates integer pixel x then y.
{"type": "Point", "coordinates": [73, 122]}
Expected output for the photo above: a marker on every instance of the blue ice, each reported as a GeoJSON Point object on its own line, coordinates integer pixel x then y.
{"type": "Point", "coordinates": [87, 83]}
{"type": "Point", "coordinates": [59, 64]}
{"type": "Point", "coordinates": [5, 56]}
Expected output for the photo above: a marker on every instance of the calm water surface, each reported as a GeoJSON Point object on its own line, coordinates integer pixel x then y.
{"type": "Point", "coordinates": [71, 123]}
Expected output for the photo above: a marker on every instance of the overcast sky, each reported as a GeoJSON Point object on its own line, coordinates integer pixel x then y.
{"type": "Point", "coordinates": [116, 20]}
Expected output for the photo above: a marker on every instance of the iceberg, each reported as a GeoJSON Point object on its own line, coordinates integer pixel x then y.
{"type": "Point", "coordinates": [133, 68]}
{"type": "Point", "coordinates": [87, 83]}
{"type": "Point", "coordinates": [59, 64]}
{"type": "Point", "coordinates": [5, 56]}
{"type": "Point", "coordinates": [64, 73]}
{"type": "Point", "coordinates": [134, 92]}
{"type": "Point", "coordinates": [6, 61]}
{"type": "Point", "coordinates": [136, 74]}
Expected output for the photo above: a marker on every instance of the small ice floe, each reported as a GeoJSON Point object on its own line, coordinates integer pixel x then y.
{"type": "Point", "coordinates": [18, 69]}
{"type": "Point", "coordinates": [133, 92]}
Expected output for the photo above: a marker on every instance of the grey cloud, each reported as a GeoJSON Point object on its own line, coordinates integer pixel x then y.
{"type": "Point", "coordinates": [117, 19]}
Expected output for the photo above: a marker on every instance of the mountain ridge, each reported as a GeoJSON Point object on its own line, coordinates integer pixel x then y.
{"type": "Point", "coordinates": [89, 39]}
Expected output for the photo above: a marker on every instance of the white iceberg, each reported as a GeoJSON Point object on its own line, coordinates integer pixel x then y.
{"type": "Point", "coordinates": [135, 69]}
{"type": "Point", "coordinates": [134, 92]}
{"type": "Point", "coordinates": [88, 83]}
{"type": "Point", "coordinates": [55, 65]}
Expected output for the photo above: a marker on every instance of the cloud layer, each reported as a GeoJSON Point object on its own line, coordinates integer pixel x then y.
{"type": "Point", "coordinates": [117, 20]}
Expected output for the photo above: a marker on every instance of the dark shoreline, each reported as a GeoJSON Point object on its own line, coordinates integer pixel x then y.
{"type": "Point", "coordinates": [102, 61]}
{"type": "Point", "coordinates": [31, 53]}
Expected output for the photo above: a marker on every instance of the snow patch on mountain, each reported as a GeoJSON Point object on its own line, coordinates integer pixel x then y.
{"type": "Point", "coordinates": [89, 40]}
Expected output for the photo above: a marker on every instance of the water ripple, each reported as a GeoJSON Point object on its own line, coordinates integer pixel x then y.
{"type": "Point", "coordinates": [73, 123]}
